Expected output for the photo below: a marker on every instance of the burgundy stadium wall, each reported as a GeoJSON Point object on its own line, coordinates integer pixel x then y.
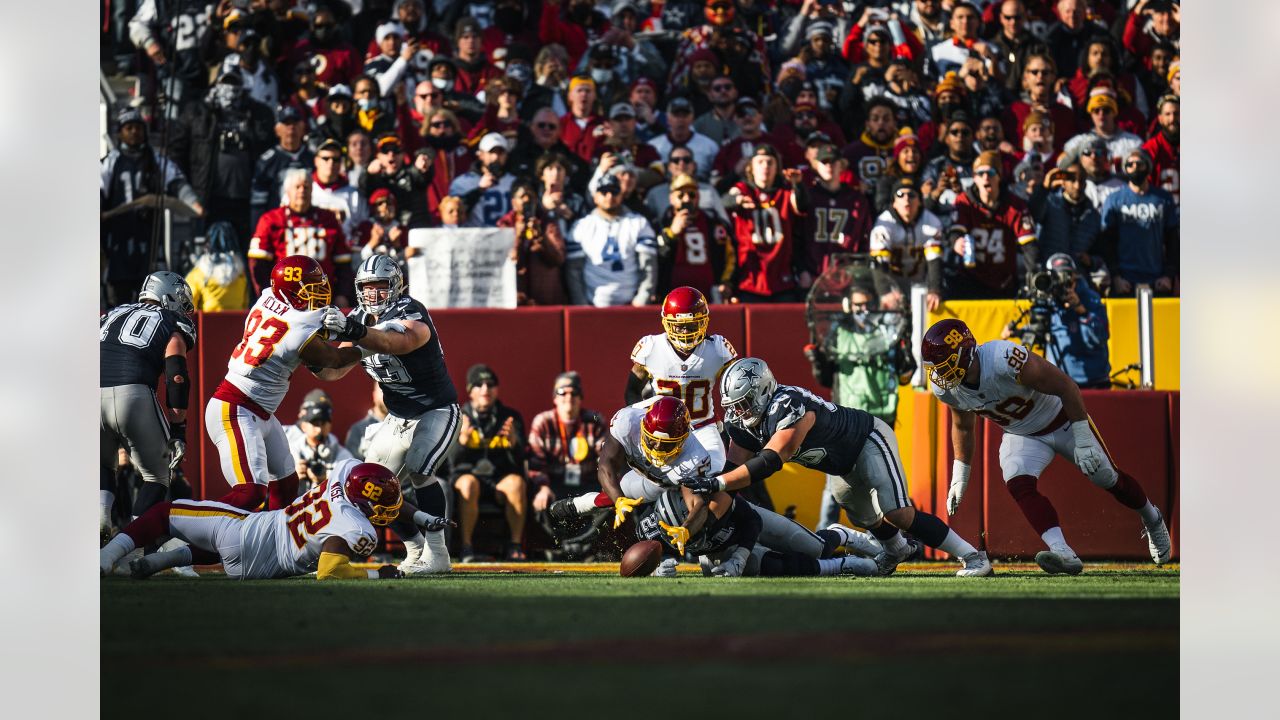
{"type": "Point", "coordinates": [527, 348]}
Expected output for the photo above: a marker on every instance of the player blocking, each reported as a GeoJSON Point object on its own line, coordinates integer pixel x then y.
{"type": "Point", "coordinates": [1042, 413]}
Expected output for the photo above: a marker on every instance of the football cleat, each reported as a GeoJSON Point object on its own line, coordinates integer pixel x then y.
{"type": "Point", "coordinates": [856, 540]}
{"type": "Point", "coordinates": [976, 564]}
{"type": "Point", "coordinates": [426, 564]}
{"type": "Point", "coordinates": [859, 566]}
{"type": "Point", "coordinates": [141, 569]}
{"type": "Point", "coordinates": [185, 571]}
{"type": "Point", "coordinates": [563, 509]}
{"type": "Point", "coordinates": [1158, 542]}
{"type": "Point", "coordinates": [1060, 560]}
{"type": "Point", "coordinates": [888, 561]}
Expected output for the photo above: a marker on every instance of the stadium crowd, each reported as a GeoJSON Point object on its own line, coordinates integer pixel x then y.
{"type": "Point", "coordinates": [730, 145]}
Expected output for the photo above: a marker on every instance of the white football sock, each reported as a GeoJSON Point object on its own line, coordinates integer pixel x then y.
{"type": "Point", "coordinates": [585, 503]}
{"type": "Point", "coordinates": [1150, 514]}
{"type": "Point", "coordinates": [108, 500]}
{"type": "Point", "coordinates": [111, 553]}
{"type": "Point", "coordinates": [435, 544]}
{"type": "Point", "coordinates": [956, 546]}
{"type": "Point", "coordinates": [895, 544]}
{"type": "Point", "coordinates": [830, 566]}
{"type": "Point", "coordinates": [413, 548]}
{"type": "Point", "coordinates": [1053, 537]}
{"type": "Point", "coordinates": [169, 559]}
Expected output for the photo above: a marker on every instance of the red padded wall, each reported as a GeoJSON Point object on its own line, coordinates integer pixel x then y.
{"type": "Point", "coordinates": [1134, 426]}
{"type": "Point", "coordinates": [777, 334]}
{"type": "Point", "coordinates": [1170, 510]}
{"type": "Point", "coordinates": [970, 520]}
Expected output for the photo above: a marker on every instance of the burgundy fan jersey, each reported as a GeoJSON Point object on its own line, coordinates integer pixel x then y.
{"type": "Point", "coordinates": [765, 238]}
{"type": "Point", "coordinates": [998, 234]}
{"type": "Point", "coordinates": [837, 222]}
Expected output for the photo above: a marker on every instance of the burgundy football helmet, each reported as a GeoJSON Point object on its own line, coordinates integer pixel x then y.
{"type": "Point", "coordinates": [664, 429]}
{"type": "Point", "coordinates": [300, 281]}
{"type": "Point", "coordinates": [685, 318]}
{"type": "Point", "coordinates": [376, 491]}
{"type": "Point", "coordinates": [948, 350]}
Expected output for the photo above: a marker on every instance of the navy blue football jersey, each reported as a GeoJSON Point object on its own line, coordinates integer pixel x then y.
{"type": "Point", "coordinates": [833, 443]}
{"type": "Point", "coordinates": [132, 339]}
{"type": "Point", "coordinates": [416, 382]}
{"type": "Point", "coordinates": [717, 534]}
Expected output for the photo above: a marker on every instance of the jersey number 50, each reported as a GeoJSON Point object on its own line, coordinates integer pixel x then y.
{"type": "Point", "coordinates": [696, 395]}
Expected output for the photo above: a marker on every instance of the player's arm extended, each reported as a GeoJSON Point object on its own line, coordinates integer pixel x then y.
{"type": "Point", "coordinates": [399, 338]}
{"type": "Point", "coordinates": [318, 354]}
{"type": "Point", "coordinates": [780, 448]}
{"type": "Point", "coordinates": [612, 463]}
{"type": "Point", "coordinates": [335, 564]}
{"type": "Point", "coordinates": [962, 435]}
{"type": "Point", "coordinates": [1038, 374]}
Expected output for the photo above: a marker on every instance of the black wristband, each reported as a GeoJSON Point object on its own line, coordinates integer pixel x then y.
{"type": "Point", "coordinates": [178, 431]}
{"type": "Point", "coordinates": [354, 332]}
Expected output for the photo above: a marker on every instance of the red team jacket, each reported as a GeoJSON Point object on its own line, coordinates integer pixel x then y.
{"type": "Point", "coordinates": [765, 237]}
{"type": "Point", "coordinates": [1165, 156]}
{"type": "Point", "coordinates": [581, 140]}
{"type": "Point", "coordinates": [997, 234]}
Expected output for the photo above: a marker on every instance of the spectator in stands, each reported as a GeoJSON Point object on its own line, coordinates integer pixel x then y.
{"type": "Point", "coordinates": [314, 447]}
{"type": "Point", "coordinates": [443, 72]}
{"type": "Point", "coordinates": [867, 77]}
{"type": "Point", "coordinates": [562, 448]}
{"type": "Point", "coordinates": [407, 182]}
{"type": "Point", "coordinates": [451, 213]}
{"type": "Point", "coordinates": [1012, 42]}
{"type": "Point", "coordinates": [215, 143]}
{"type": "Point", "coordinates": [391, 67]}
{"type": "Point", "coordinates": [290, 153]}
{"type": "Point", "coordinates": [486, 189]}
{"type": "Point", "coordinates": [1068, 222]}
{"type": "Point", "coordinates": [1164, 147]}
{"type": "Point", "coordinates": [1069, 36]}
{"type": "Point", "coordinates": [382, 232]}
{"type": "Point", "coordinates": [907, 242]}
{"type": "Point", "coordinates": [1102, 111]}
{"type": "Point", "coordinates": [1099, 181]}
{"type": "Point", "coordinates": [768, 204]}
{"type": "Point", "coordinates": [949, 174]}
{"type": "Point", "coordinates": [331, 191]}
{"type": "Point", "coordinates": [542, 138]}
{"type": "Point", "coordinates": [1037, 137]}
{"type": "Point", "coordinates": [989, 135]}
{"type": "Point", "coordinates": [538, 250]}
{"type": "Point", "coordinates": [838, 220]}
{"type": "Point", "coordinates": [338, 119]}
{"type": "Point", "coordinates": [358, 434]}
{"type": "Point", "coordinates": [474, 68]}
{"type": "Point", "coordinates": [1039, 76]}
{"type": "Point", "coordinates": [373, 113]}
{"type": "Point", "coordinates": [717, 123]}
{"type": "Point", "coordinates": [307, 96]}
{"type": "Point", "coordinates": [339, 63]}
{"type": "Point", "coordinates": [359, 156]}
{"type": "Point", "coordinates": [129, 172]}
{"type": "Point", "coordinates": [611, 254]}
{"type": "Point", "coordinates": [1152, 22]}
{"type": "Point", "coordinates": [620, 145]}
{"type": "Point", "coordinates": [681, 162]}
{"type": "Point", "coordinates": [581, 127]}
{"type": "Point", "coordinates": [175, 44]}
{"type": "Point", "coordinates": [908, 162]}
{"type": "Point", "coordinates": [551, 71]}
{"type": "Point", "coordinates": [650, 121]}
{"type": "Point", "coordinates": [997, 227]}
{"type": "Point", "coordinates": [680, 132]}
{"type": "Point", "coordinates": [488, 461]}
{"type": "Point", "coordinates": [966, 24]}
{"type": "Point", "coordinates": [694, 248]}
{"type": "Point", "coordinates": [218, 279]}
{"type": "Point", "coordinates": [259, 76]}
{"type": "Point", "coordinates": [731, 161]}
{"type": "Point", "coordinates": [1099, 60]}
{"type": "Point", "coordinates": [1078, 329]}
{"type": "Point", "coordinates": [501, 113]}
{"type": "Point", "coordinates": [447, 157]}
{"type": "Point", "coordinates": [870, 153]}
{"type": "Point", "coordinates": [299, 228]}
{"type": "Point", "coordinates": [559, 202]}
{"type": "Point", "coordinates": [1140, 234]}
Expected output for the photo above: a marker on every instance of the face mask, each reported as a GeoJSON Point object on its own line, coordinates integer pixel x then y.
{"type": "Point", "coordinates": [440, 83]}
{"type": "Point", "coordinates": [225, 97]}
{"type": "Point", "coordinates": [860, 316]}
{"type": "Point", "coordinates": [790, 88]}
{"type": "Point", "coordinates": [494, 168]}
{"type": "Point", "coordinates": [323, 36]}
{"type": "Point", "coordinates": [442, 142]}
{"type": "Point", "coordinates": [366, 104]}
{"type": "Point", "coordinates": [601, 75]}
{"type": "Point", "coordinates": [508, 20]}
{"type": "Point", "coordinates": [1138, 174]}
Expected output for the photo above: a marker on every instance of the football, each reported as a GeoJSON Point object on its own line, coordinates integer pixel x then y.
{"type": "Point", "coordinates": [641, 559]}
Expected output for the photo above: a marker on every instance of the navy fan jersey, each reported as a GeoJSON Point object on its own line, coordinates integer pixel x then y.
{"type": "Point", "coordinates": [833, 443]}
{"type": "Point", "coordinates": [716, 534]}
{"type": "Point", "coordinates": [415, 382]}
{"type": "Point", "coordinates": [132, 339]}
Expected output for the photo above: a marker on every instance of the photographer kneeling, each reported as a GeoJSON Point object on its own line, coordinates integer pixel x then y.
{"type": "Point", "coordinates": [315, 448]}
{"type": "Point", "coordinates": [1076, 336]}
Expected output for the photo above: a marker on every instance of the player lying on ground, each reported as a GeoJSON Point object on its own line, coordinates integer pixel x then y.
{"type": "Point", "coordinates": [320, 532]}
{"type": "Point", "coordinates": [138, 343]}
{"type": "Point", "coordinates": [401, 351]}
{"type": "Point", "coordinates": [740, 539]}
{"type": "Point", "coordinates": [1042, 413]}
{"type": "Point", "coordinates": [771, 424]}
{"type": "Point", "coordinates": [284, 329]}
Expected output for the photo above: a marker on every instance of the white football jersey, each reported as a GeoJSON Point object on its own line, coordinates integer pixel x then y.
{"type": "Point", "coordinates": [284, 543]}
{"type": "Point", "coordinates": [907, 249]}
{"type": "Point", "coordinates": [693, 460]}
{"type": "Point", "coordinates": [691, 379]}
{"type": "Point", "coordinates": [1000, 397]}
{"type": "Point", "coordinates": [274, 335]}
{"type": "Point", "coordinates": [612, 249]}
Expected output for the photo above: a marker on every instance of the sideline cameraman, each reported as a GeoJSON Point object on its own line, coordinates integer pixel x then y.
{"type": "Point", "coordinates": [1078, 328]}
{"type": "Point", "coordinates": [315, 448]}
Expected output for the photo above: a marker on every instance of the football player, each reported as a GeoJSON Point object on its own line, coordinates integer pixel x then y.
{"type": "Point", "coordinates": [283, 330]}
{"type": "Point", "coordinates": [740, 539]}
{"type": "Point", "coordinates": [137, 343]}
{"type": "Point", "coordinates": [771, 424]}
{"type": "Point", "coordinates": [1042, 413]}
{"type": "Point", "coordinates": [403, 354]}
{"type": "Point", "coordinates": [320, 532]}
{"type": "Point", "coordinates": [684, 362]}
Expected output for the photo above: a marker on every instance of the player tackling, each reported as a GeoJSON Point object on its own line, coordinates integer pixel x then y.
{"type": "Point", "coordinates": [1042, 412]}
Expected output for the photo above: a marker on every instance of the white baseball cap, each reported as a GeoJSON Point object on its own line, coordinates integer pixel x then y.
{"type": "Point", "coordinates": [493, 140]}
{"type": "Point", "coordinates": [390, 28]}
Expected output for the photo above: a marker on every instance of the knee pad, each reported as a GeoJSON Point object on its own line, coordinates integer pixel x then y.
{"type": "Point", "coordinates": [1105, 478]}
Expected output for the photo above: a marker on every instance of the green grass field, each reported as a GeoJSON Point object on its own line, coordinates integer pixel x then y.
{"type": "Point", "coordinates": [539, 642]}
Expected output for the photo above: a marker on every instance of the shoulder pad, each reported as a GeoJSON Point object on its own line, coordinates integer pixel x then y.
{"type": "Point", "coordinates": [785, 409]}
{"type": "Point", "coordinates": [726, 347]}
{"type": "Point", "coordinates": [188, 330]}
{"type": "Point", "coordinates": [640, 352]}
